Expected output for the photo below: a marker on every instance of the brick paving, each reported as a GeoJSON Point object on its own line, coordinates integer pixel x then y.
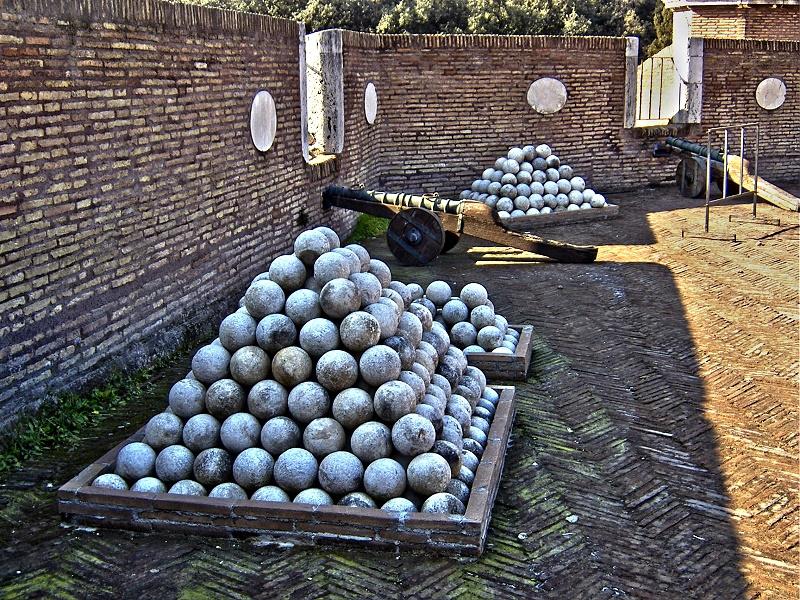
{"type": "Point", "coordinates": [655, 452]}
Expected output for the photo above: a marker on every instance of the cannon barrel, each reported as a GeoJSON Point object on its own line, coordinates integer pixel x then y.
{"type": "Point", "coordinates": [693, 147]}
{"type": "Point", "coordinates": [334, 194]}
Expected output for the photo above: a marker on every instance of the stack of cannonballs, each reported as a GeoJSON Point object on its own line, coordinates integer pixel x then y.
{"type": "Point", "coordinates": [330, 384]}
{"type": "Point", "coordinates": [532, 181]}
{"type": "Point", "coordinates": [470, 319]}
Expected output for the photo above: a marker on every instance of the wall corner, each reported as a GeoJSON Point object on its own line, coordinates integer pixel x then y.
{"type": "Point", "coordinates": [631, 62]}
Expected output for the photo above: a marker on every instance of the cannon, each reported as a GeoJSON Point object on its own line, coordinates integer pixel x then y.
{"type": "Point", "coordinates": [423, 226]}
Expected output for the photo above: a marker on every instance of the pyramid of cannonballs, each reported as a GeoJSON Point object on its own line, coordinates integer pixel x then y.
{"type": "Point", "coordinates": [532, 181]}
{"type": "Point", "coordinates": [330, 384]}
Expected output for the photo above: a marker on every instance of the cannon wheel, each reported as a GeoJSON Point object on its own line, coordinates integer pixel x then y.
{"type": "Point", "coordinates": [691, 177]}
{"type": "Point", "coordinates": [450, 240]}
{"type": "Point", "coordinates": [415, 236]}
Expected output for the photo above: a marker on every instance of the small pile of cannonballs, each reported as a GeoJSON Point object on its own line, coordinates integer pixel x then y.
{"type": "Point", "coordinates": [532, 181]}
{"type": "Point", "coordinates": [331, 384]}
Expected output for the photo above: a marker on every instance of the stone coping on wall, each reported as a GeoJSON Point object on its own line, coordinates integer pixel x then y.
{"type": "Point", "coordinates": [763, 45]}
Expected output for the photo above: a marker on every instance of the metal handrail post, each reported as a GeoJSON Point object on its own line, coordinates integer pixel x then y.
{"type": "Point", "coordinates": [755, 168]}
{"type": "Point", "coordinates": [741, 157]}
{"type": "Point", "coordinates": [708, 180]}
{"type": "Point", "coordinates": [725, 167]}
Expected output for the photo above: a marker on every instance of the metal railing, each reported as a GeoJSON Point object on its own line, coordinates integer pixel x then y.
{"type": "Point", "coordinates": [657, 90]}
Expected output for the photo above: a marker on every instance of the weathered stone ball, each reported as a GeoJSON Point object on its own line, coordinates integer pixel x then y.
{"type": "Point", "coordinates": [585, 206]}
{"type": "Point", "coordinates": [427, 304]}
{"type": "Point", "coordinates": [323, 436]}
{"type": "Point", "coordinates": [477, 375]}
{"type": "Point", "coordinates": [565, 171]}
{"type": "Point", "coordinates": [267, 399]}
{"type": "Point", "coordinates": [359, 331]}
{"type": "Point", "coordinates": [466, 475]}
{"type": "Point", "coordinates": [260, 276]}
{"type": "Point", "coordinates": [384, 479]}
{"type": "Point", "coordinates": [486, 405]}
{"type": "Point", "coordinates": [337, 370]}
{"type": "Point", "coordinates": [402, 290]}
{"type": "Point", "coordinates": [270, 493]}
{"type": "Point", "coordinates": [149, 485]}
{"type": "Point", "coordinates": [393, 400]}
{"type": "Point", "coordinates": [423, 314]}
{"type": "Point", "coordinates": [339, 297]}
{"type": "Point", "coordinates": [451, 453]}
{"type": "Point", "coordinates": [264, 298]}
{"type": "Point", "coordinates": [472, 446]}
{"type": "Point", "coordinates": [422, 371]}
{"type": "Point", "coordinates": [450, 369]}
{"type": "Point", "coordinates": [597, 201]}
{"type": "Point", "coordinates": [351, 257]}
{"type": "Point", "coordinates": [310, 245]}
{"type": "Point", "coordinates": [174, 463]}
{"type": "Point", "coordinates": [458, 354]}
{"type": "Point", "coordinates": [550, 202]}
{"type": "Point", "coordinates": [239, 432]}
{"type": "Point", "coordinates": [228, 490]}
{"type": "Point", "coordinates": [362, 254]}
{"type": "Point", "coordinates": [428, 474]}
{"type": "Point", "coordinates": [340, 473]}
{"type": "Point", "coordinates": [313, 285]}
{"type": "Point", "coordinates": [452, 432]}
{"type": "Point", "coordinates": [543, 151]}
{"type": "Point", "coordinates": [431, 414]}
{"type": "Point", "coordinates": [237, 330]}
{"type": "Point", "coordinates": [564, 187]}
{"type": "Point", "coordinates": [380, 270]}
{"type": "Point", "coordinates": [379, 364]}
{"type": "Point", "coordinates": [490, 337]}
{"type": "Point", "coordinates": [308, 401]}
{"type": "Point", "coordinates": [187, 398]}
{"type": "Point", "coordinates": [562, 200]}
{"type": "Point", "coordinates": [505, 205]}
{"type": "Point", "coordinates": [439, 340]}
{"type": "Point", "coordinates": [439, 293]}
{"type": "Point", "coordinates": [319, 336]}
{"type": "Point", "coordinates": [410, 327]}
{"type": "Point", "coordinates": [399, 505]}
{"type": "Point", "coordinates": [491, 395]}
{"type": "Point", "coordinates": [415, 382]}
{"type": "Point", "coordinates": [553, 161]}
{"type": "Point", "coordinates": [369, 288]}
{"type": "Point", "coordinates": [539, 165]}
{"type": "Point", "coordinates": [470, 389]}
{"type": "Point", "coordinates": [577, 183]}
{"type": "Point", "coordinates": [331, 266]}
{"type": "Point", "coordinates": [210, 363]}
{"type": "Point", "coordinates": [443, 503]}
{"type": "Point", "coordinates": [459, 489]}
{"type": "Point", "coordinates": [437, 392]}
{"type": "Point", "coordinates": [416, 291]}
{"type": "Point", "coordinates": [371, 441]}
{"type": "Point", "coordinates": [135, 460]}
{"type": "Point", "coordinates": [481, 412]}
{"type": "Point", "coordinates": [201, 432]}
{"type": "Point", "coordinates": [470, 460]}
{"type": "Point", "coordinates": [473, 348]}
{"type": "Point", "coordinates": [279, 434]}
{"type": "Point", "coordinates": [454, 311]}
{"type": "Point", "coordinates": [352, 407]}
{"type": "Point", "coordinates": [524, 176]}
{"type": "Point", "coordinates": [314, 496]}
{"type": "Point", "coordinates": [295, 470]}
{"type": "Point", "coordinates": [550, 186]}
{"type": "Point", "coordinates": [481, 424]}
{"type": "Point", "coordinates": [252, 469]}
{"type": "Point", "coordinates": [358, 500]}
{"type": "Point", "coordinates": [437, 405]}
{"type": "Point", "coordinates": [388, 294]}
{"type": "Point", "coordinates": [458, 407]}
{"type": "Point", "coordinates": [188, 487]}
{"type": "Point", "coordinates": [386, 316]}
{"type": "Point", "coordinates": [476, 434]}
{"type": "Point", "coordinates": [275, 332]}
{"type": "Point", "coordinates": [443, 384]}
{"type": "Point", "coordinates": [404, 350]}
{"type": "Point", "coordinates": [164, 429]}
{"type": "Point", "coordinates": [291, 366]}
{"type": "Point", "coordinates": [588, 194]}
{"type": "Point", "coordinates": [473, 295]}
{"type": "Point", "coordinates": [289, 272]}
{"type": "Point", "coordinates": [302, 306]}
{"type": "Point", "coordinates": [249, 365]}
{"type": "Point", "coordinates": [413, 434]}
{"type": "Point", "coordinates": [212, 467]}
{"type": "Point", "coordinates": [110, 481]}
{"type": "Point", "coordinates": [224, 398]}
{"type": "Point", "coordinates": [463, 334]}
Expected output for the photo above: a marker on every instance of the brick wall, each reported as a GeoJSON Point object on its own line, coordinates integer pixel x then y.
{"type": "Point", "coordinates": [756, 21]}
{"type": "Point", "coordinates": [732, 69]}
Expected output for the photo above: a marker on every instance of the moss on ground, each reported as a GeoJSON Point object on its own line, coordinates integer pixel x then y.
{"type": "Point", "coordinates": [368, 227]}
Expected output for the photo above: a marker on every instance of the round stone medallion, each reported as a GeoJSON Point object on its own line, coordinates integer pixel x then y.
{"type": "Point", "coordinates": [263, 121]}
{"type": "Point", "coordinates": [771, 93]}
{"type": "Point", "coordinates": [370, 103]}
{"type": "Point", "coordinates": [547, 95]}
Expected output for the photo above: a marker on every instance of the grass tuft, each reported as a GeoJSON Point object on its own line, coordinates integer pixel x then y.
{"type": "Point", "coordinates": [368, 227]}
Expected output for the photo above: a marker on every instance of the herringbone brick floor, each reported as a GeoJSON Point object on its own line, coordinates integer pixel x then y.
{"type": "Point", "coordinates": [661, 413]}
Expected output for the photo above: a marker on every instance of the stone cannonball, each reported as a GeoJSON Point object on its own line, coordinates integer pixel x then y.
{"type": "Point", "coordinates": [379, 364]}
{"type": "Point", "coordinates": [381, 270]}
{"type": "Point", "coordinates": [487, 173]}
{"type": "Point", "coordinates": [517, 213]}
{"type": "Point", "coordinates": [237, 330]}
{"type": "Point", "coordinates": [413, 434]}
{"type": "Point", "coordinates": [588, 194]}
{"type": "Point", "coordinates": [443, 384]}
{"type": "Point", "coordinates": [399, 505]}
{"type": "Point", "coordinates": [473, 348]}
{"type": "Point", "coordinates": [310, 245]}
{"type": "Point", "coordinates": [314, 496]}
{"type": "Point", "coordinates": [482, 316]}
{"type": "Point", "coordinates": [384, 479]}
{"type": "Point", "coordinates": [333, 237]}
{"type": "Point", "coordinates": [112, 481]}
{"type": "Point", "coordinates": [371, 441]}
{"type": "Point", "coordinates": [450, 452]}
{"type": "Point", "coordinates": [431, 413]}
{"type": "Point", "coordinates": [313, 285]}
{"type": "Point", "coordinates": [416, 291]}
{"type": "Point", "coordinates": [396, 298]}
{"type": "Point", "coordinates": [393, 400]}
{"type": "Point", "coordinates": [135, 460]}
{"type": "Point", "coordinates": [362, 254]}
{"type": "Point", "coordinates": [229, 490]}
{"type": "Point", "coordinates": [402, 289]}
{"type": "Point", "coordinates": [358, 500]}
{"type": "Point", "coordinates": [187, 398]}
{"type": "Point", "coordinates": [474, 295]}
{"type": "Point", "coordinates": [543, 151]}
{"type": "Point", "coordinates": [476, 434]}
{"type": "Point", "coordinates": [477, 375]}
{"type": "Point", "coordinates": [295, 470]}
{"type": "Point", "coordinates": [423, 314]}
{"type": "Point", "coordinates": [422, 371]}
{"type": "Point", "coordinates": [459, 489]}
{"type": "Point", "coordinates": [439, 339]}
{"type": "Point", "coordinates": [369, 288]}
{"type": "Point", "coordinates": [537, 189]}
{"type": "Point", "coordinates": [239, 432]}
{"type": "Point", "coordinates": [427, 304]}
{"type": "Point", "coordinates": [352, 407]}
{"type": "Point", "coordinates": [188, 487]}
{"type": "Point", "coordinates": [470, 389]}
{"type": "Point", "coordinates": [319, 336]}
{"type": "Point", "coordinates": [279, 434]}
{"type": "Point", "coordinates": [387, 318]}
{"type": "Point", "coordinates": [426, 348]}
{"type": "Point", "coordinates": [270, 493]}
{"type": "Point", "coordinates": [508, 179]}
{"type": "Point", "coordinates": [264, 298]}
{"type": "Point", "coordinates": [339, 297]}
{"type": "Point", "coordinates": [486, 405]}
{"type": "Point", "coordinates": [575, 197]}
{"type": "Point", "coordinates": [323, 436]}
{"type": "Point", "coordinates": [289, 272]}
{"type": "Point", "coordinates": [540, 165]}
{"type": "Point", "coordinates": [552, 176]}
{"type": "Point", "coordinates": [415, 382]}
{"type": "Point", "coordinates": [553, 162]}
{"type": "Point", "coordinates": [517, 154]}
{"type": "Point", "coordinates": [411, 328]}
{"type": "Point", "coordinates": [337, 370]}
{"type": "Point", "coordinates": [550, 203]}
{"type": "Point", "coordinates": [163, 430]}
{"type": "Point", "coordinates": [443, 503]}
{"type": "Point", "coordinates": [428, 474]}
{"type": "Point", "coordinates": [331, 266]}
{"type": "Point", "coordinates": [450, 369]}
{"type": "Point", "coordinates": [481, 424]}
{"type": "Point", "coordinates": [212, 467]}
{"type": "Point", "coordinates": [249, 365]}
{"type": "Point", "coordinates": [525, 176]}
{"type": "Point", "coordinates": [437, 404]}
{"type": "Point", "coordinates": [563, 186]}
{"type": "Point", "coordinates": [340, 473]}
{"type": "Point", "coordinates": [224, 398]}
{"type": "Point", "coordinates": [260, 277]}
{"type": "Point", "coordinates": [490, 337]}
{"type": "Point", "coordinates": [404, 350]}
{"type": "Point", "coordinates": [452, 432]}
{"type": "Point", "coordinates": [585, 206]}
{"type": "Point", "coordinates": [352, 259]}
{"type": "Point", "coordinates": [458, 407]}
{"type": "Point", "coordinates": [291, 366]}
{"type": "Point", "coordinates": [459, 356]}
{"type": "Point", "coordinates": [483, 413]}
{"type": "Point", "coordinates": [439, 293]}
{"type": "Point", "coordinates": [455, 311]}
{"type": "Point", "coordinates": [252, 469]}
{"type": "Point", "coordinates": [511, 166]}
{"type": "Point", "coordinates": [267, 399]}
{"type": "Point", "coordinates": [498, 164]}
{"type": "Point", "coordinates": [201, 432]}
{"type": "Point", "coordinates": [359, 330]}
{"type": "Point", "coordinates": [470, 460]}
{"type": "Point", "coordinates": [509, 192]}
{"type": "Point", "coordinates": [174, 463]}
{"type": "Point", "coordinates": [494, 188]}
{"type": "Point", "coordinates": [523, 189]}
{"type": "Point", "coordinates": [491, 395]}
{"type": "Point", "coordinates": [597, 201]}
{"type": "Point", "coordinates": [275, 332]}
{"type": "Point", "coordinates": [530, 152]}
{"type": "Point", "coordinates": [565, 171]}
{"type": "Point", "coordinates": [465, 475]}
{"type": "Point", "coordinates": [210, 363]}
{"type": "Point", "coordinates": [308, 401]}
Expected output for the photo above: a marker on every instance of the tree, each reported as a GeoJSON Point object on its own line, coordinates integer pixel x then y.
{"type": "Point", "coordinates": [360, 15]}
{"type": "Point", "coordinates": [662, 25]}
{"type": "Point", "coordinates": [514, 17]}
{"type": "Point", "coordinates": [425, 16]}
